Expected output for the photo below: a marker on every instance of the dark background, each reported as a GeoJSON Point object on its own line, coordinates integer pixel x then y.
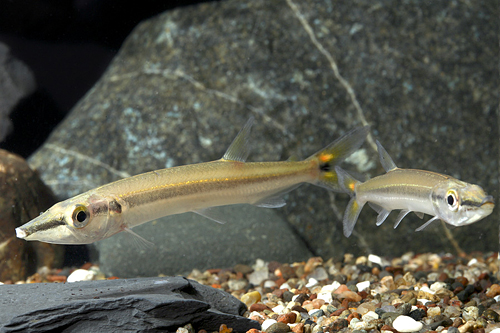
{"type": "Point", "coordinates": [67, 45]}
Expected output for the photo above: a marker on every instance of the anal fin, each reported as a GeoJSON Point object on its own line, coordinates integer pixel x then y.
{"type": "Point", "coordinates": [382, 216]}
{"type": "Point", "coordinates": [400, 217]}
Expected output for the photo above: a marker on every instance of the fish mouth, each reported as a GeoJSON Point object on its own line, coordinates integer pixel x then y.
{"type": "Point", "coordinates": [20, 233]}
{"type": "Point", "coordinates": [488, 200]}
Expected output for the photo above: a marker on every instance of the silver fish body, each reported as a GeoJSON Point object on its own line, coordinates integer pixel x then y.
{"type": "Point", "coordinates": [124, 204]}
{"type": "Point", "coordinates": [424, 192]}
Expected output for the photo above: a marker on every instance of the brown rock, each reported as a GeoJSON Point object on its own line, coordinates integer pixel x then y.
{"type": "Point", "coordinates": [278, 328]}
{"type": "Point", "coordinates": [493, 291]}
{"type": "Point", "coordinates": [337, 325]}
{"type": "Point", "coordinates": [299, 328]}
{"type": "Point", "coordinates": [462, 280]}
{"type": "Point", "coordinates": [23, 197]}
{"type": "Point", "coordinates": [298, 309]}
{"type": "Point", "coordinates": [258, 307]}
{"type": "Point", "coordinates": [388, 328]}
{"type": "Point", "coordinates": [353, 315]}
{"type": "Point", "coordinates": [287, 318]}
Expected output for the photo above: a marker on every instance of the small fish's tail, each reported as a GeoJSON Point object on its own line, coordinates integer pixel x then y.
{"type": "Point", "coordinates": [348, 184]}
{"type": "Point", "coordinates": [334, 153]}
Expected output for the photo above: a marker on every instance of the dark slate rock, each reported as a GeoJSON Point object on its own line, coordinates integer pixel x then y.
{"type": "Point", "coordinates": [16, 81]}
{"type": "Point", "coordinates": [423, 75]}
{"type": "Point", "coordinates": [137, 305]}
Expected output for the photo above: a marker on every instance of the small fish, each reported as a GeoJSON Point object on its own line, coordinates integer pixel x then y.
{"type": "Point", "coordinates": [124, 204]}
{"type": "Point", "coordinates": [423, 192]}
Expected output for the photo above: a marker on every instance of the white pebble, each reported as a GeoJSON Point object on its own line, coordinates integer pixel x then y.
{"type": "Point", "coordinates": [81, 275]}
{"type": "Point", "coordinates": [497, 298]}
{"type": "Point", "coordinates": [327, 297]}
{"type": "Point", "coordinates": [268, 322]}
{"type": "Point", "coordinates": [257, 276]}
{"type": "Point", "coordinates": [406, 324]}
{"type": "Point", "coordinates": [369, 316]}
{"type": "Point", "coordinates": [437, 286]}
{"type": "Point", "coordinates": [427, 290]}
{"type": "Point", "coordinates": [357, 324]}
{"type": "Point", "coordinates": [423, 300]}
{"type": "Point", "coordinates": [285, 286]}
{"type": "Point", "coordinates": [330, 287]}
{"type": "Point", "coordinates": [255, 313]}
{"type": "Point", "coordinates": [269, 284]}
{"type": "Point", "coordinates": [182, 330]}
{"type": "Point", "coordinates": [375, 259]}
{"type": "Point", "coordinates": [319, 274]}
{"type": "Point", "coordinates": [363, 285]}
{"type": "Point", "coordinates": [473, 261]}
{"type": "Point", "coordinates": [279, 309]}
{"type": "Point", "coordinates": [311, 283]}
{"type": "Point", "coordinates": [496, 330]}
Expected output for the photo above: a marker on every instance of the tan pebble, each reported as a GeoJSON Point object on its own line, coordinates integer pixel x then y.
{"type": "Point", "coordinates": [350, 294]}
{"type": "Point", "coordinates": [493, 291]}
{"type": "Point", "coordinates": [251, 298]}
{"type": "Point", "coordinates": [434, 311]}
{"type": "Point", "coordinates": [341, 289]}
{"type": "Point", "coordinates": [467, 327]}
{"type": "Point", "coordinates": [317, 303]}
{"type": "Point", "coordinates": [298, 328]}
{"type": "Point", "coordinates": [388, 282]}
{"type": "Point", "coordinates": [258, 319]}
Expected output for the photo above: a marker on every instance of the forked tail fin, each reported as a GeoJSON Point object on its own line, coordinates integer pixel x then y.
{"type": "Point", "coordinates": [334, 153]}
{"type": "Point", "coordinates": [348, 184]}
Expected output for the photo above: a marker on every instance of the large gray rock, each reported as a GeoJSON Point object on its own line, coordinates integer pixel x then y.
{"type": "Point", "coordinates": [423, 75]}
{"type": "Point", "coordinates": [187, 241]}
{"type": "Point", "coordinates": [135, 305]}
{"type": "Point", "coordinates": [16, 82]}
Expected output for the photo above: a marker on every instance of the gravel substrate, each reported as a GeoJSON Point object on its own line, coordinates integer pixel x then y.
{"type": "Point", "coordinates": [413, 293]}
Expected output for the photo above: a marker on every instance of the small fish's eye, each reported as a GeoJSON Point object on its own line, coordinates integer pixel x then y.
{"type": "Point", "coordinates": [452, 200]}
{"type": "Point", "coordinates": [80, 216]}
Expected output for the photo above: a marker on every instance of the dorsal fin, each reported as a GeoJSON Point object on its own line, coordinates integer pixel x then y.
{"type": "Point", "coordinates": [239, 148]}
{"type": "Point", "coordinates": [386, 161]}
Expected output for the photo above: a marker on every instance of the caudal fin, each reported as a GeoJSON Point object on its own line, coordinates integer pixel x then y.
{"type": "Point", "coordinates": [334, 153]}
{"type": "Point", "coordinates": [348, 185]}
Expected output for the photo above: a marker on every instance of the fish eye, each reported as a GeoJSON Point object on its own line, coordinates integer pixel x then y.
{"type": "Point", "coordinates": [452, 200]}
{"type": "Point", "coordinates": [80, 217]}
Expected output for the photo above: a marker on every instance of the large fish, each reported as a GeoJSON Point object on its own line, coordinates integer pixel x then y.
{"type": "Point", "coordinates": [424, 192]}
{"type": "Point", "coordinates": [124, 204]}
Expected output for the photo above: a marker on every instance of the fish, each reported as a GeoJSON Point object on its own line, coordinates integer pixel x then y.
{"type": "Point", "coordinates": [200, 188]}
{"type": "Point", "coordinates": [424, 192]}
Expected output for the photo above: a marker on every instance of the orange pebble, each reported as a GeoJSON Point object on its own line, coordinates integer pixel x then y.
{"type": "Point", "coordinates": [56, 278]}
{"type": "Point", "coordinates": [224, 329]}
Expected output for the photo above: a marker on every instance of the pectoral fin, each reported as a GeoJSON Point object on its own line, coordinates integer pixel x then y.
{"type": "Point", "coordinates": [214, 214]}
{"type": "Point", "coordinates": [427, 223]}
{"type": "Point", "coordinates": [382, 216]}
